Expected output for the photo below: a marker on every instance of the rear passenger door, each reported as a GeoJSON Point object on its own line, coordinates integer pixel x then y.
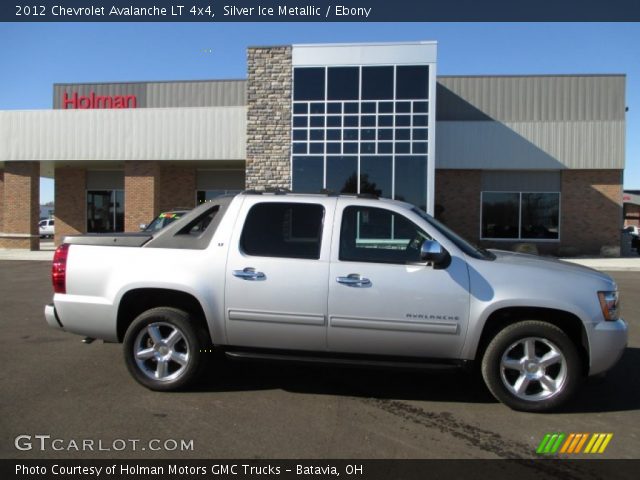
{"type": "Point", "coordinates": [277, 273]}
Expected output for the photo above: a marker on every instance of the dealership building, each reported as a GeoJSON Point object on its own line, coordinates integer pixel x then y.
{"type": "Point", "coordinates": [501, 159]}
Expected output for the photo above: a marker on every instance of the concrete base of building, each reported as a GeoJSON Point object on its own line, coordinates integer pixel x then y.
{"type": "Point", "coordinates": [27, 242]}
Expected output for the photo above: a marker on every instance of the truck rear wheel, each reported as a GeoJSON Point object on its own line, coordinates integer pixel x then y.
{"type": "Point", "coordinates": [532, 366]}
{"type": "Point", "coordinates": [163, 349]}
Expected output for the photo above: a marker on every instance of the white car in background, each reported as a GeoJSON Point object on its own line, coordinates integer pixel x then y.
{"type": "Point", "coordinates": [634, 230]}
{"type": "Point", "coordinates": [46, 228]}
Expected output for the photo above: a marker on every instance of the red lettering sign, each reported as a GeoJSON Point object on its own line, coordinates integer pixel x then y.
{"type": "Point", "coordinates": [92, 101]}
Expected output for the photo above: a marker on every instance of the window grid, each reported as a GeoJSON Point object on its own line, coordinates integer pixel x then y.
{"type": "Point", "coordinates": [412, 146]}
{"type": "Point", "coordinates": [412, 127]}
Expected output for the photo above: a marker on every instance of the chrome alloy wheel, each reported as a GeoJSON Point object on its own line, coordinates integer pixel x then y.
{"type": "Point", "coordinates": [533, 369]}
{"type": "Point", "coordinates": [161, 351]}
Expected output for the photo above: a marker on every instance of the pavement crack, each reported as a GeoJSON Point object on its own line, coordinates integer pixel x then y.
{"type": "Point", "coordinates": [484, 440]}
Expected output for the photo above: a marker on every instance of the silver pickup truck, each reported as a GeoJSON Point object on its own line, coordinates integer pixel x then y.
{"type": "Point", "coordinates": [336, 278]}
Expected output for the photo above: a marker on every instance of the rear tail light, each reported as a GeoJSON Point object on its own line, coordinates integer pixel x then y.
{"type": "Point", "coordinates": [59, 269]}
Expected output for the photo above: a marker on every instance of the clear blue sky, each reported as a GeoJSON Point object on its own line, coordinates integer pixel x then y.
{"type": "Point", "coordinates": [34, 56]}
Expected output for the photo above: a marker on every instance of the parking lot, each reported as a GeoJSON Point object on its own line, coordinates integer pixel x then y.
{"type": "Point", "coordinates": [53, 384]}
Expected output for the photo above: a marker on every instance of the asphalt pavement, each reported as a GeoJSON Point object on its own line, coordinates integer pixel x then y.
{"type": "Point", "coordinates": [54, 385]}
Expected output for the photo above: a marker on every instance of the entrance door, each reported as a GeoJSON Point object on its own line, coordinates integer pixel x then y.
{"type": "Point", "coordinates": [382, 299]}
{"type": "Point", "coordinates": [105, 211]}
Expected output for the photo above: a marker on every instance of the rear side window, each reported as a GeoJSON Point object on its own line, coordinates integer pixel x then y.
{"type": "Point", "coordinates": [291, 230]}
{"type": "Point", "coordinates": [197, 226]}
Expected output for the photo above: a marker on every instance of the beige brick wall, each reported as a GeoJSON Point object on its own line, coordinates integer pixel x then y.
{"type": "Point", "coordinates": [149, 189]}
{"type": "Point", "coordinates": [269, 117]}
{"type": "Point", "coordinates": [591, 209]}
{"type": "Point", "coordinates": [632, 214]}
{"type": "Point", "coordinates": [1, 199]}
{"type": "Point", "coordinates": [458, 192]}
{"type": "Point", "coordinates": [590, 216]}
{"type": "Point", "coordinates": [70, 202]}
{"type": "Point", "coordinates": [141, 193]}
{"type": "Point", "coordinates": [177, 188]}
{"type": "Point", "coordinates": [21, 205]}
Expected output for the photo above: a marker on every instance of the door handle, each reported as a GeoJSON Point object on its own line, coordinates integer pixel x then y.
{"type": "Point", "coordinates": [249, 273]}
{"type": "Point", "coordinates": [354, 280]}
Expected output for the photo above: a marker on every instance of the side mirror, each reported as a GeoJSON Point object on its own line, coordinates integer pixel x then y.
{"type": "Point", "coordinates": [432, 251]}
{"type": "Point", "coordinates": [142, 226]}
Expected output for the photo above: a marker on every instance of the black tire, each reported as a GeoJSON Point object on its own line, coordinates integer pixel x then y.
{"type": "Point", "coordinates": [188, 349]}
{"type": "Point", "coordinates": [562, 377]}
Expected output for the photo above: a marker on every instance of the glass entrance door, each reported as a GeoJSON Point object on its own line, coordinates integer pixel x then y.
{"type": "Point", "coordinates": [105, 211]}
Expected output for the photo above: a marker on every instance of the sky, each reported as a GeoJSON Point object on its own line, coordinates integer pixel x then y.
{"type": "Point", "coordinates": [35, 56]}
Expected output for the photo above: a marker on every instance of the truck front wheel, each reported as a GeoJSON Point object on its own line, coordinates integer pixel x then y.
{"type": "Point", "coordinates": [532, 366]}
{"type": "Point", "coordinates": [163, 349]}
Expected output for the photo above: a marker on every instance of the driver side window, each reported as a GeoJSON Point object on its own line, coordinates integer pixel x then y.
{"type": "Point", "coordinates": [379, 236]}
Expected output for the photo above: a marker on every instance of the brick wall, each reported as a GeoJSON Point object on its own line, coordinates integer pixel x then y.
{"type": "Point", "coordinates": [1, 199]}
{"type": "Point", "coordinates": [21, 205]}
{"type": "Point", "coordinates": [141, 193]}
{"type": "Point", "coordinates": [631, 214]}
{"type": "Point", "coordinates": [269, 117]}
{"type": "Point", "coordinates": [177, 187]}
{"type": "Point", "coordinates": [458, 193]}
{"type": "Point", "coordinates": [591, 209]}
{"type": "Point", "coordinates": [70, 202]}
{"type": "Point", "coordinates": [590, 217]}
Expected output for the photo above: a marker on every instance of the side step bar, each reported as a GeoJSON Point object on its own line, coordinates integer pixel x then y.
{"type": "Point", "coordinates": [346, 361]}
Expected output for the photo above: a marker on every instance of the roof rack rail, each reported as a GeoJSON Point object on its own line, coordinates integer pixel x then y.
{"type": "Point", "coordinates": [324, 191]}
{"type": "Point", "coordinates": [274, 190]}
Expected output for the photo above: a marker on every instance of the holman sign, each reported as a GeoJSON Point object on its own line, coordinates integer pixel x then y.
{"type": "Point", "coordinates": [92, 101]}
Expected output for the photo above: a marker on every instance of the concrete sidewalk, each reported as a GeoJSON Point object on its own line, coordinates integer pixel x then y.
{"type": "Point", "coordinates": [15, 254]}
{"type": "Point", "coordinates": [626, 264]}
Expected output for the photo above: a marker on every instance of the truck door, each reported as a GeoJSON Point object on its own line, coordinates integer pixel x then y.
{"type": "Point", "coordinates": [382, 299]}
{"type": "Point", "coordinates": [277, 274]}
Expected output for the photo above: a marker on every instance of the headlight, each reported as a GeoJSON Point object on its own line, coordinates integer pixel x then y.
{"type": "Point", "coordinates": [609, 305]}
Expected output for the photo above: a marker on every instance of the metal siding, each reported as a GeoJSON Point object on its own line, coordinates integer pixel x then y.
{"type": "Point", "coordinates": [206, 93]}
{"type": "Point", "coordinates": [531, 145]}
{"type": "Point", "coordinates": [519, 181]}
{"type": "Point", "coordinates": [628, 197]}
{"type": "Point", "coordinates": [144, 134]}
{"type": "Point", "coordinates": [222, 93]}
{"type": "Point", "coordinates": [532, 98]}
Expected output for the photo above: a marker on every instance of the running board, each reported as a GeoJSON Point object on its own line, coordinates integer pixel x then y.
{"type": "Point", "coordinates": [353, 362]}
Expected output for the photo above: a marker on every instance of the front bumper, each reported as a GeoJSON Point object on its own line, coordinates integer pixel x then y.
{"type": "Point", "coordinates": [607, 341]}
{"type": "Point", "coordinates": [51, 316]}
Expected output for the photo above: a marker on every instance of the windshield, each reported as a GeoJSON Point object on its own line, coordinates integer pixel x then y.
{"type": "Point", "coordinates": [467, 247]}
